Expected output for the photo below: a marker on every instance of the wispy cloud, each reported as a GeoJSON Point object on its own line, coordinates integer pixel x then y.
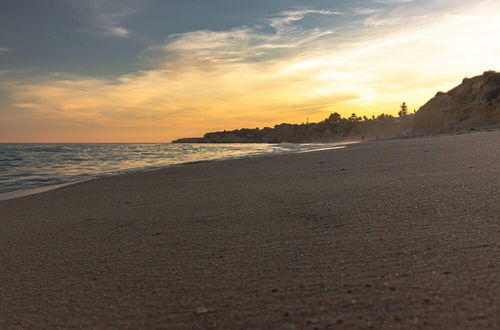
{"type": "Point", "coordinates": [365, 11]}
{"type": "Point", "coordinates": [392, 2]}
{"type": "Point", "coordinates": [283, 68]}
{"type": "Point", "coordinates": [284, 20]}
{"type": "Point", "coordinates": [106, 16]}
{"type": "Point", "coordinates": [4, 50]}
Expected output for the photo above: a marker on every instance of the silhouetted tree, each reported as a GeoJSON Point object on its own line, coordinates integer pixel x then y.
{"type": "Point", "coordinates": [353, 118]}
{"type": "Point", "coordinates": [404, 110]}
{"type": "Point", "coordinates": [334, 118]}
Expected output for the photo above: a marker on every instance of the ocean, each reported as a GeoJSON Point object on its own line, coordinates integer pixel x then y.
{"type": "Point", "coordinates": [25, 167]}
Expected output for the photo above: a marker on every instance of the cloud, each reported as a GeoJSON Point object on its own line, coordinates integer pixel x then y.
{"type": "Point", "coordinates": [365, 11]}
{"type": "Point", "coordinates": [284, 20]}
{"type": "Point", "coordinates": [268, 40]}
{"type": "Point", "coordinates": [4, 50]}
{"type": "Point", "coordinates": [106, 16]}
{"type": "Point", "coordinates": [279, 69]}
{"type": "Point", "coordinates": [392, 2]}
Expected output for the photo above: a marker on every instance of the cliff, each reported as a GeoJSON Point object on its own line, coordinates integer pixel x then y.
{"type": "Point", "coordinates": [474, 103]}
{"type": "Point", "coordinates": [332, 129]}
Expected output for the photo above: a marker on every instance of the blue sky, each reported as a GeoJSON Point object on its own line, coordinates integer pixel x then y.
{"type": "Point", "coordinates": [155, 70]}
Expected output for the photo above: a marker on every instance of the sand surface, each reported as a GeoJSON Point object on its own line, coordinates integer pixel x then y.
{"type": "Point", "coordinates": [388, 234]}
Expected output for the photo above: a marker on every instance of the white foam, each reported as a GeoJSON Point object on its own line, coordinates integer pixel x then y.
{"type": "Point", "coordinates": [27, 192]}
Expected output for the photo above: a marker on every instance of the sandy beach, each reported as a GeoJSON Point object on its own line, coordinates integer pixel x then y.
{"type": "Point", "coordinates": [398, 233]}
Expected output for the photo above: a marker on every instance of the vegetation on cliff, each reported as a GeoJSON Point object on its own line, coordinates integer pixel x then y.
{"type": "Point", "coordinates": [333, 128]}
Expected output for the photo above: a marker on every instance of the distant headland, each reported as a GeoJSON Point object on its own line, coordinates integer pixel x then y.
{"type": "Point", "coordinates": [473, 104]}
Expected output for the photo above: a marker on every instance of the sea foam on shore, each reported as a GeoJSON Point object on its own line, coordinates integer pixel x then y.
{"type": "Point", "coordinates": [29, 167]}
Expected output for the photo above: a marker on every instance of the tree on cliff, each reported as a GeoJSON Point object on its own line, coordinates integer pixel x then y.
{"type": "Point", "coordinates": [404, 110]}
{"type": "Point", "coordinates": [334, 118]}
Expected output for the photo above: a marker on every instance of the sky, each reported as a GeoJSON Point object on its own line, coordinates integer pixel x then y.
{"type": "Point", "coordinates": [157, 70]}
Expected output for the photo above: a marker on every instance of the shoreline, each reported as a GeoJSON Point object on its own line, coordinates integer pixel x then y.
{"type": "Point", "coordinates": [33, 191]}
{"type": "Point", "coordinates": [391, 234]}
{"type": "Point", "coordinates": [37, 190]}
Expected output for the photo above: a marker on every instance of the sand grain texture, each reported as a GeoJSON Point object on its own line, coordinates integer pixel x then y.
{"type": "Point", "coordinates": [389, 234]}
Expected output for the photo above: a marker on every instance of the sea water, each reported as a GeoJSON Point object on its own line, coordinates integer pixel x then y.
{"type": "Point", "coordinates": [29, 166]}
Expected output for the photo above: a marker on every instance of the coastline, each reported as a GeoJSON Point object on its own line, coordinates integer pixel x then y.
{"type": "Point", "coordinates": [42, 189]}
{"type": "Point", "coordinates": [396, 233]}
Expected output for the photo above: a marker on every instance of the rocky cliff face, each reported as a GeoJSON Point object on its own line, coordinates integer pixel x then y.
{"type": "Point", "coordinates": [474, 103]}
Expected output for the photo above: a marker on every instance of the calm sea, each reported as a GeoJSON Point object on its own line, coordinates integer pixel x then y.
{"type": "Point", "coordinates": [29, 166]}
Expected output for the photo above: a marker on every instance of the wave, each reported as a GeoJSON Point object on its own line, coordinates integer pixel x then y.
{"type": "Point", "coordinates": [29, 166]}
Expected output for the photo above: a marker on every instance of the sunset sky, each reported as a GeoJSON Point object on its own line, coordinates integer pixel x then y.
{"type": "Point", "coordinates": [156, 70]}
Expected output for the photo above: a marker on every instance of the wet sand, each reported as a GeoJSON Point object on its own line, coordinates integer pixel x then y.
{"type": "Point", "coordinates": [388, 234]}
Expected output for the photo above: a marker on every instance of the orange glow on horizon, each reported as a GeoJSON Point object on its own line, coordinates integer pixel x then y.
{"type": "Point", "coordinates": [219, 84]}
